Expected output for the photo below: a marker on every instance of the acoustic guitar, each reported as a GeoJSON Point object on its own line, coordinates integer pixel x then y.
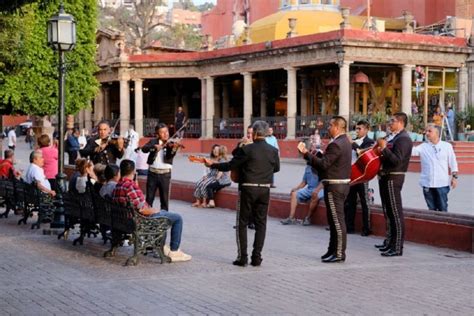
{"type": "Point", "coordinates": [367, 165]}
{"type": "Point", "coordinates": [234, 174]}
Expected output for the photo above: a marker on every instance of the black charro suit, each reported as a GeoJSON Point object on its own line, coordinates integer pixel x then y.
{"type": "Point", "coordinates": [160, 181]}
{"type": "Point", "coordinates": [334, 167]}
{"type": "Point", "coordinates": [395, 159]}
{"type": "Point", "coordinates": [256, 163]}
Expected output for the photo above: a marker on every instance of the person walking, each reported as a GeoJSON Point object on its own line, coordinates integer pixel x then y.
{"type": "Point", "coordinates": [273, 141]}
{"type": "Point", "coordinates": [437, 159]}
{"type": "Point", "coordinates": [11, 138]}
{"type": "Point", "coordinates": [256, 163]}
{"type": "Point", "coordinates": [334, 167]}
{"type": "Point", "coordinates": [396, 152]}
{"type": "Point", "coordinates": [73, 145]}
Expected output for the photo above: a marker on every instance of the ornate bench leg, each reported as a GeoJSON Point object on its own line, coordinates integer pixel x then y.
{"type": "Point", "coordinates": [133, 260]}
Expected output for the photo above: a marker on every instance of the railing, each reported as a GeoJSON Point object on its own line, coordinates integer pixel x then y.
{"type": "Point", "coordinates": [306, 125]}
{"type": "Point", "coordinates": [149, 125]}
{"type": "Point", "coordinates": [193, 129]}
{"type": "Point", "coordinates": [279, 124]}
{"type": "Point", "coordinates": [229, 128]}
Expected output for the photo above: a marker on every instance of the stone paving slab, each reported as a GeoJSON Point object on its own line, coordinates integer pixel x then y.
{"type": "Point", "coordinates": [41, 275]}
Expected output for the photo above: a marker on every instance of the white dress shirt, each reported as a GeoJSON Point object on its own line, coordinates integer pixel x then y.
{"type": "Point", "coordinates": [158, 163]}
{"type": "Point", "coordinates": [36, 173]}
{"type": "Point", "coordinates": [436, 160]}
{"type": "Point", "coordinates": [11, 138]}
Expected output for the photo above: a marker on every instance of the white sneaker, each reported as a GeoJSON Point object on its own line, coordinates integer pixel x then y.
{"type": "Point", "coordinates": [166, 250]}
{"type": "Point", "coordinates": [179, 256]}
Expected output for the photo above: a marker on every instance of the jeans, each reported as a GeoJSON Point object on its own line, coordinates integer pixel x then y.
{"type": "Point", "coordinates": [436, 198]}
{"type": "Point", "coordinates": [176, 227]}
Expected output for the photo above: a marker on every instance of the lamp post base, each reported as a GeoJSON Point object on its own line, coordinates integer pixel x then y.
{"type": "Point", "coordinates": [58, 219]}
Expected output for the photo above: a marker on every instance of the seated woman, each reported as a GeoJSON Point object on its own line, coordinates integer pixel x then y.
{"type": "Point", "coordinates": [112, 175]}
{"type": "Point", "coordinates": [84, 173]}
{"type": "Point", "coordinates": [200, 192]}
{"type": "Point", "coordinates": [221, 181]}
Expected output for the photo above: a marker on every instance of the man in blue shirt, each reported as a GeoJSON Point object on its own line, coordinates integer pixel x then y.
{"type": "Point", "coordinates": [272, 140]}
{"type": "Point", "coordinates": [310, 189]}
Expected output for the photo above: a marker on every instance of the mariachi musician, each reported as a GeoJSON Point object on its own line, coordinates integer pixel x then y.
{"type": "Point", "coordinates": [103, 149]}
{"type": "Point", "coordinates": [334, 167]}
{"type": "Point", "coordinates": [360, 189]}
{"type": "Point", "coordinates": [396, 153]}
{"type": "Point", "coordinates": [160, 161]}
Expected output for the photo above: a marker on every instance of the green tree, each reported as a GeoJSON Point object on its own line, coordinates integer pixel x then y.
{"type": "Point", "coordinates": [30, 84]}
{"type": "Point", "coordinates": [180, 36]}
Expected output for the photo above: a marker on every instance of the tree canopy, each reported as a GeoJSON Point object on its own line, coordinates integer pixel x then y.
{"type": "Point", "coordinates": [29, 71]}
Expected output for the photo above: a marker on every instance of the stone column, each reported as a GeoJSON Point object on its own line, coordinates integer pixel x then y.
{"type": "Point", "coordinates": [88, 120]}
{"type": "Point", "coordinates": [124, 105]}
{"type": "Point", "coordinates": [406, 88]}
{"type": "Point", "coordinates": [80, 115]}
{"type": "Point", "coordinates": [462, 88]}
{"type": "Point", "coordinates": [247, 100]}
{"type": "Point", "coordinates": [470, 67]}
{"type": "Point", "coordinates": [99, 106]}
{"type": "Point", "coordinates": [209, 107]}
{"type": "Point", "coordinates": [292, 103]}
{"type": "Point", "coordinates": [139, 106]}
{"type": "Point", "coordinates": [225, 99]}
{"type": "Point", "coordinates": [203, 107]}
{"type": "Point", "coordinates": [344, 82]}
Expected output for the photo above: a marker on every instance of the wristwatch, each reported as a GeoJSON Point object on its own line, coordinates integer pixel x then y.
{"type": "Point", "coordinates": [455, 175]}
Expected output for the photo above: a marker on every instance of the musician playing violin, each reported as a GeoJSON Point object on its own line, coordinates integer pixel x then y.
{"type": "Point", "coordinates": [103, 149]}
{"type": "Point", "coordinates": [160, 161]}
{"type": "Point", "coordinates": [359, 189]}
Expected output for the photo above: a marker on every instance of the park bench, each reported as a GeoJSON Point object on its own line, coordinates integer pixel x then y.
{"type": "Point", "coordinates": [94, 214]}
{"type": "Point", "coordinates": [22, 197]}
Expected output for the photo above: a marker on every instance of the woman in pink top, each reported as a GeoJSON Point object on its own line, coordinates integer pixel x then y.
{"type": "Point", "coordinates": [50, 155]}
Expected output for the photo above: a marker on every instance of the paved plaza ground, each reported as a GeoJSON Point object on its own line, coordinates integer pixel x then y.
{"type": "Point", "coordinates": [41, 275]}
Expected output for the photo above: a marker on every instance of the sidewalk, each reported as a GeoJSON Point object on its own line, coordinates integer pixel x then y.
{"type": "Point", "coordinates": [460, 199]}
{"type": "Point", "coordinates": [45, 276]}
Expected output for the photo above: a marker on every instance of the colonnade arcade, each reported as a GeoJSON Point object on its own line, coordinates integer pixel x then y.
{"type": "Point", "coordinates": [293, 88]}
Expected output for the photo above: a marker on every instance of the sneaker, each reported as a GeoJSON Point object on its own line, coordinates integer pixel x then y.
{"type": "Point", "coordinates": [166, 250]}
{"type": "Point", "coordinates": [306, 222]}
{"type": "Point", "coordinates": [179, 256]}
{"type": "Point", "coordinates": [288, 221]}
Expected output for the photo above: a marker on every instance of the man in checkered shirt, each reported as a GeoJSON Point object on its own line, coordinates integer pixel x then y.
{"type": "Point", "coordinates": [128, 192]}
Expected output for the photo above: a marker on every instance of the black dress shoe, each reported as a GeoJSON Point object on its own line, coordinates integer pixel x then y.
{"type": "Point", "coordinates": [256, 262]}
{"type": "Point", "coordinates": [251, 226]}
{"type": "Point", "coordinates": [380, 245]}
{"type": "Point", "coordinates": [334, 258]}
{"type": "Point", "coordinates": [384, 249]}
{"type": "Point", "coordinates": [391, 253]}
{"type": "Point", "coordinates": [327, 254]}
{"type": "Point", "coordinates": [240, 262]}
{"type": "Point", "coordinates": [366, 232]}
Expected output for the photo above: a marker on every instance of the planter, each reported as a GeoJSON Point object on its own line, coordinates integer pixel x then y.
{"type": "Point", "coordinates": [461, 137]}
{"type": "Point", "coordinates": [371, 134]}
{"type": "Point", "coordinates": [380, 134]}
{"type": "Point", "coordinates": [419, 137]}
{"type": "Point", "coordinates": [413, 136]}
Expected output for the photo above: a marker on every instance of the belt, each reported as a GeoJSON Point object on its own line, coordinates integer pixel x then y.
{"type": "Point", "coordinates": [389, 173]}
{"type": "Point", "coordinates": [160, 171]}
{"type": "Point", "coordinates": [336, 181]}
{"type": "Point", "coordinates": [261, 185]}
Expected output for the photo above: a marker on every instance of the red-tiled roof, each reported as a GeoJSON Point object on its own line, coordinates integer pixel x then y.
{"type": "Point", "coordinates": [343, 35]}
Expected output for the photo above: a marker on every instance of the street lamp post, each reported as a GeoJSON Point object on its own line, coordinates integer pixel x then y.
{"type": "Point", "coordinates": [62, 38]}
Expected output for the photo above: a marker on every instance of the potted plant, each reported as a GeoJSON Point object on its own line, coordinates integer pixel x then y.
{"type": "Point", "coordinates": [376, 120]}
{"type": "Point", "coordinates": [415, 123]}
{"type": "Point", "coordinates": [464, 118]}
